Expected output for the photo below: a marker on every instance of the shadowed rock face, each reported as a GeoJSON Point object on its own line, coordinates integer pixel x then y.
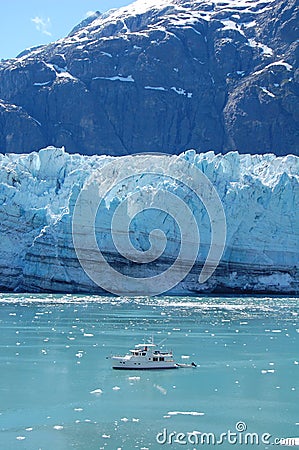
{"type": "Point", "coordinates": [161, 75]}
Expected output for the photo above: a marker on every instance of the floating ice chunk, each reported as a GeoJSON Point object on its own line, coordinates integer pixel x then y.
{"type": "Point", "coordinates": [58, 427]}
{"type": "Point", "coordinates": [106, 436]}
{"type": "Point", "coordinates": [88, 334]}
{"type": "Point", "coordinates": [185, 413]}
{"type": "Point", "coordinates": [134, 378]}
{"type": "Point", "coordinates": [116, 388]}
{"type": "Point", "coordinates": [97, 392]}
{"type": "Point", "coordinates": [160, 389]}
{"type": "Point", "coordinates": [20, 438]}
{"type": "Point", "coordinates": [185, 356]}
{"type": "Point", "coordinates": [124, 419]}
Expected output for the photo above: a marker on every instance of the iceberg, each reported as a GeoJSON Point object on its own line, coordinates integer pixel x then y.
{"type": "Point", "coordinates": [39, 193]}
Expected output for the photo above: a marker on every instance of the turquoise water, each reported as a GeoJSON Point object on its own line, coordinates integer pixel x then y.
{"type": "Point", "coordinates": [58, 391]}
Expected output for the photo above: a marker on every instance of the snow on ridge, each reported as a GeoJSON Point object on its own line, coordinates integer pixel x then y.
{"type": "Point", "coordinates": [177, 12]}
{"type": "Point", "coordinates": [281, 63]}
{"type": "Point", "coordinates": [267, 51]}
{"type": "Point", "coordinates": [46, 83]}
{"type": "Point", "coordinates": [129, 78]}
{"type": "Point", "coordinates": [155, 88]}
{"type": "Point", "coordinates": [288, 66]}
{"type": "Point", "coordinates": [231, 25]}
{"type": "Point", "coordinates": [143, 6]}
{"type": "Point", "coordinates": [266, 91]}
{"type": "Point", "coordinates": [182, 15]}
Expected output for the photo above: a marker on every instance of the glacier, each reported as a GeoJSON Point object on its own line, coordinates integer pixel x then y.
{"type": "Point", "coordinates": [259, 194]}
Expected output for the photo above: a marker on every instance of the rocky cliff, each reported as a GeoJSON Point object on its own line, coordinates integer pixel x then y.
{"type": "Point", "coordinates": [160, 76]}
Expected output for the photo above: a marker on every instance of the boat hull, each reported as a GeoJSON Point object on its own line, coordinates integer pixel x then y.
{"type": "Point", "coordinates": [144, 368]}
{"type": "Point", "coordinates": [133, 363]}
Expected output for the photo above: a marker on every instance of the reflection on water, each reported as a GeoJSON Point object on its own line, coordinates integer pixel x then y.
{"type": "Point", "coordinates": [57, 388]}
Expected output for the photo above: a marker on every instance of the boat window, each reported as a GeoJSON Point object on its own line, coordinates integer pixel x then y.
{"type": "Point", "coordinates": [155, 359]}
{"type": "Point", "coordinates": [143, 354]}
{"type": "Point", "coordinates": [161, 359]}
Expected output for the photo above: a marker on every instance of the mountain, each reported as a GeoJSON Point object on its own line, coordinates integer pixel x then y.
{"type": "Point", "coordinates": [160, 76]}
{"type": "Point", "coordinates": [39, 191]}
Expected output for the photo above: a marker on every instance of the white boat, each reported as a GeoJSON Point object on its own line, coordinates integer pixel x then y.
{"type": "Point", "coordinates": [146, 356]}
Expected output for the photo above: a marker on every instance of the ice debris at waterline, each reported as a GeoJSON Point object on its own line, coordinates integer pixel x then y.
{"type": "Point", "coordinates": [259, 193]}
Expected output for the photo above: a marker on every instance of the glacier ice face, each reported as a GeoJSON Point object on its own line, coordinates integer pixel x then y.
{"type": "Point", "coordinates": [259, 193]}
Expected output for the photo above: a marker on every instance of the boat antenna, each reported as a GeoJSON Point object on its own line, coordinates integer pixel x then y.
{"type": "Point", "coordinates": [161, 342]}
{"type": "Point", "coordinates": [150, 340]}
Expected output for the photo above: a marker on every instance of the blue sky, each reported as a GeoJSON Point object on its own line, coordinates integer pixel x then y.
{"type": "Point", "coordinates": [25, 23]}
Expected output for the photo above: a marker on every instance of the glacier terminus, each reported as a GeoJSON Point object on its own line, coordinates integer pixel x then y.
{"type": "Point", "coordinates": [259, 194]}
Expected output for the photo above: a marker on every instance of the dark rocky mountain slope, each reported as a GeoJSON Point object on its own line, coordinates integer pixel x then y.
{"type": "Point", "coordinates": [160, 75]}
